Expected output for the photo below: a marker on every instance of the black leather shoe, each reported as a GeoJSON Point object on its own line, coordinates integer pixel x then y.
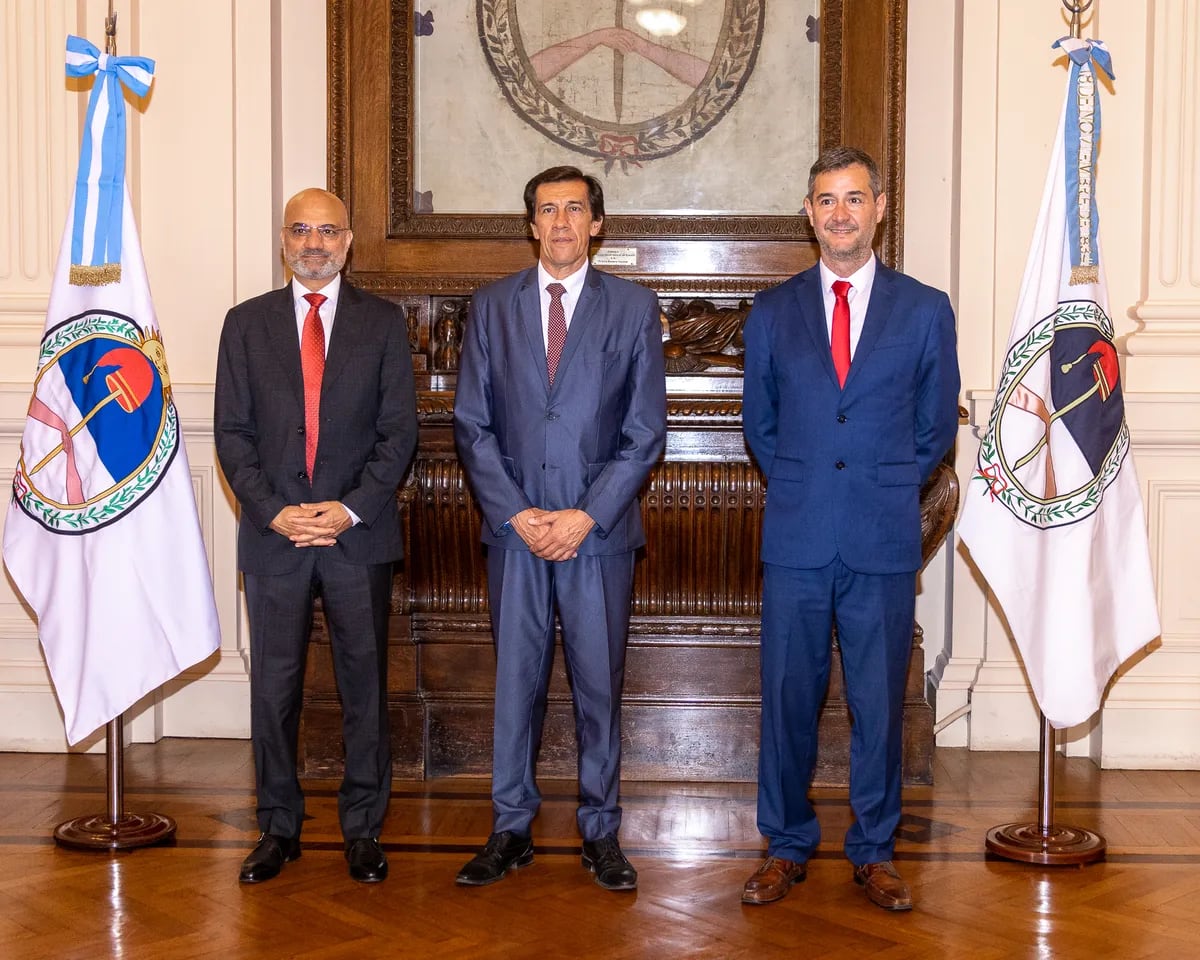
{"type": "Point", "coordinates": [268, 857]}
{"type": "Point", "coordinates": [368, 863]}
{"type": "Point", "coordinates": [605, 859]}
{"type": "Point", "coordinates": [504, 851]}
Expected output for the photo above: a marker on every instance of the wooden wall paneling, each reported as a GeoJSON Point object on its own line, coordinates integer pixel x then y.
{"type": "Point", "coordinates": [692, 680]}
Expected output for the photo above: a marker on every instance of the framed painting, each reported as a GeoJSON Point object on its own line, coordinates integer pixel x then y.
{"type": "Point", "coordinates": [699, 117]}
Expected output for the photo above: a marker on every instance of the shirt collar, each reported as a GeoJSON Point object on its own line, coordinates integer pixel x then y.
{"type": "Point", "coordinates": [860, 280]}
{"type": "Point", "coordinates": [573, 282]}
{"type": "Point", "coordinates": [329, 291]}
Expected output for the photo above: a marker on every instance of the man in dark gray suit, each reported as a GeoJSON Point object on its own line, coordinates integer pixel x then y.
{"type": "Point", "coordinates": [559, 415]}
{"type": "Point", "coordinates": [315, 424]}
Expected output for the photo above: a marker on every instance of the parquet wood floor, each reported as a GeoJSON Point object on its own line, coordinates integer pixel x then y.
{"type": "Point", "coordinates": [694, 845]}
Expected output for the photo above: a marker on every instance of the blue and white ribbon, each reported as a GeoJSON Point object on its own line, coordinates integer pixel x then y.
{"type": "Point", "coordinates": [1082, 140]}
{"type": "Point", "coordinates": [100, 182]}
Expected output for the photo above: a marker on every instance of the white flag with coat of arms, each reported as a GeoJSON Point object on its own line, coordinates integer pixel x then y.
{"type": "Point", "coordinates": [1053, 513]}
{"type": "Point", "coordinates": [102, 536]}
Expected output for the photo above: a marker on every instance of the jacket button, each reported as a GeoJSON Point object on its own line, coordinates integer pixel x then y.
{"type": "Point", "coordinates": [302, 475]}
{"type": "Point", "coordinates": [552, 416]}
{"type": "Point", "coordinates": [300, 430]}
{"type": "Point", "coordinates": [840, 465]}
{"type": "Point", "coordinates": [841, 418]}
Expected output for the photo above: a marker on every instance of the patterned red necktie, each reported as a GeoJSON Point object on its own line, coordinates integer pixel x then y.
{"type": "Point", "coordinates": [556, 332]}
{"type": "Point", "coordinates": [312, 364]}
{"type": "Point", "coordinates": [840, 338]}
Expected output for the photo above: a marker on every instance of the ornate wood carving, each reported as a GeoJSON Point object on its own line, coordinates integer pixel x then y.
{"type": "Point", "coordinates": [691, 691]}
{"type": "Point", "coordinates": [692, 682]}
{"type": "Point", "coordinates": [402, 248]}
{"type": "Point", "coordinates": [703, 336]}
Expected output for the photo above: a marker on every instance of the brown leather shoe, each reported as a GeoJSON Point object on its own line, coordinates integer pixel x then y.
{"type": "Point", "coordinates": [884, 886]}
{"type": "Point", "coordinates": [773, 880]}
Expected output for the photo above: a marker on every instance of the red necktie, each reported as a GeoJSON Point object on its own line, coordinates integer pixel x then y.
{"type": "Point", "coordinates": [556, 332]}
{"type": "Point", "coordinates": [840, 338]}
{"type": "Point", "coordinates": [312, 364]}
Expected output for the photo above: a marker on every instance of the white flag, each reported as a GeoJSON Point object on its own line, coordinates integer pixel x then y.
{"type": "Point", "coordinates": [1053, 513]}
{"type": "Point", "coordinates": [102, 536]}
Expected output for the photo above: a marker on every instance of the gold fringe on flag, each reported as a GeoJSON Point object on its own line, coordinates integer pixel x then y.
{"type": "Point", "coordinates": [82, 276]}
{"type": "Point", "coordinates": [1079, 275]}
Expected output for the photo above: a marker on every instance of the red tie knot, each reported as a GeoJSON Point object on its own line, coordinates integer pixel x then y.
{"type": "Point", "coordinates": [315, 299]}
{"type": "Point", "coordinates": [841, 288]}
{"type": "Point", "coordinates": [556, 290]}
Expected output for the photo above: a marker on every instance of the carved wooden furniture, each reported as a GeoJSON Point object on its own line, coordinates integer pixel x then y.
{"type": "Point", "coordinates": [691, 689]}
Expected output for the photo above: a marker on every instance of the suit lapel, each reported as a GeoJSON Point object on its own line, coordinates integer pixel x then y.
{"type": "Point", "coordinates": [345, 322]}
{"type": "Point", "coordinates": [281, 327]}
{"type": "Point", "coordinates": [879, 311]}
{"type": "Point", "coordinates": [529, 314]}
{"type": "Point", "coordinates": [585, 310]}
{"type": "Point", "coordinates": [811, 300]}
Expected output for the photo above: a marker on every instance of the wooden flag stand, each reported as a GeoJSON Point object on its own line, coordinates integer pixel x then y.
{"type": "Point", "coordinates": [116, 830]}
{"type": "Point", "coordinates": [1046, 842]}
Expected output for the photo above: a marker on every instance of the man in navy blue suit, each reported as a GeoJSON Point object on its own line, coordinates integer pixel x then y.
{"type": "Point", "coordinates": [559, 415]}
{"type": "Point", "coordinates": [850, 400]}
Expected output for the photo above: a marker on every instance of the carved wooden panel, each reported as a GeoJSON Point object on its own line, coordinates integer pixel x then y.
{"type": "Point", "coordinates": [692, 677]}
{"type": "Point", "coordinates": [400, 247]}
{"type": "Point", "coordinates": [692, 682]}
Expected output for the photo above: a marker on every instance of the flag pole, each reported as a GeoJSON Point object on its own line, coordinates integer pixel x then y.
{"type": "Point", "coordinates": [116, 830]}
{"type": "Point", "coordinates": [1046, 842]}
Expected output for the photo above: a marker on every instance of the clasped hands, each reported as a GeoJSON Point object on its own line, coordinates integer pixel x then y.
{"type": "Point", "coordinates": [553, 534]}
{"type": "Point", "coordinates": [312, 524]}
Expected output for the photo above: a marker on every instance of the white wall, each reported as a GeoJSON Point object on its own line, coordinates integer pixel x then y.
{"type": "Point", "coordinates": [999, 109]}
{"type": "Point", "coordinates": [237, 123]}
{"type": "Point", "coordinates": [233, 126]}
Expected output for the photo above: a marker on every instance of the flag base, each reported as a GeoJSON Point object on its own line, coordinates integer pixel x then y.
{"type": "Point", "coordinates": [1046, 842]}
{"type": "Point", "coordinates": [1057, 845]}
{"type": "Point", "coordinates": [116, 829]}
{"type": "Point", "coordinates": [98, 832]}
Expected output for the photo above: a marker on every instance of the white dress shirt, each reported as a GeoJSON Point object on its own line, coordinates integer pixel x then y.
{"type": "Point", "coordinates": [327, 311]}
{"type": "Point", "coordinates": [574, 285]}
{"type": "Point", "coordinates": [859, 296]}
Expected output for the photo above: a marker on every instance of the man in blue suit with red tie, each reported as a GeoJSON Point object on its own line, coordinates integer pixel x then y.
{"type": "Point", "coordinates": [850, 400]}
{"type": "Point", "coordinates": [559, 414]}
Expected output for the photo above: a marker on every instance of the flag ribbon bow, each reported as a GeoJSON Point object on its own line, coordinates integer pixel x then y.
{"type": "Point", "coordinates": [100, 183]}
{"type": "Point", "coordinates": [1081, 140]}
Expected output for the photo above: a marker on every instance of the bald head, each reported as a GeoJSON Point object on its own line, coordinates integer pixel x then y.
{"type": "Point", "coordinates": [313, 258]}
{"type": "Point", "coordinates": [312, 199]}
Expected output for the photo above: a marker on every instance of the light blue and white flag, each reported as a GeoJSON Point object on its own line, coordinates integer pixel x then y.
{"type": "Point", "coordinates": [1053, 514]}
{"type": "Point", "coordinates": [102, 536]}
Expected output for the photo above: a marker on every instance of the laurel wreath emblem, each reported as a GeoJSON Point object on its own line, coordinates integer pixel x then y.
{"type": "Point", "coordinates": [624, 143]}
{"type": "Point", "coordinates": [993, 467]}
{"type": "Point", "coordinates": [109, 505]}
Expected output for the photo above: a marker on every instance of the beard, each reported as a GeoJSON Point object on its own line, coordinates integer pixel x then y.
{"type": "Point", "coordinates": [305, 267]}
{"type": "Point", "coordinates": [858, 251]}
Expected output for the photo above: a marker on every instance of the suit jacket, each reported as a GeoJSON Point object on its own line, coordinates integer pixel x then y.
{"type": "Point", "coordinates": [368, 424]}
{"type": "Point", "coordinates": [844, 467]}
{"type": "Point", "coordinates": [589, 441]}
